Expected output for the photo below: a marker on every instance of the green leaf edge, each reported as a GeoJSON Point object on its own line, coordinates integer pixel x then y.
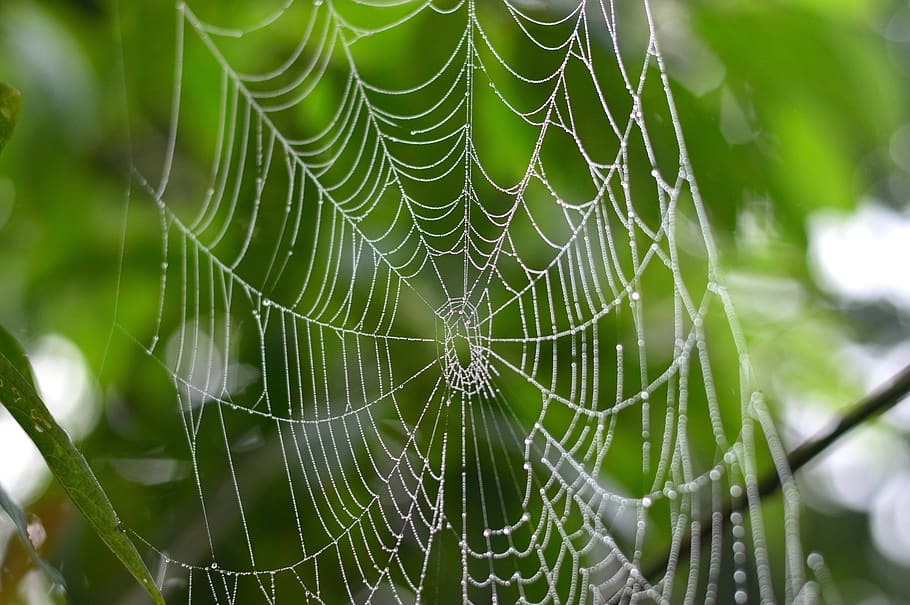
{"type": "Point", "coordinates": [19, 396]}
{"type": "Point", "coordinates": [17, 516]}
{"type": "Point", "coordinates": [14, 352]}
{"type": "Point", "coordinates": [10, 102]}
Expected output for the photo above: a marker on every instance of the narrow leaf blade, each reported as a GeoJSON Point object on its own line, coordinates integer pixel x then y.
{"type": "Point", "coordinates": [17, 516]}
{"type": "Point", "coordinates": [10, 102]}
{"type": "Point", "coordinates": [18, 395]}
{"type": "Point", "coordinates": [14, 352]}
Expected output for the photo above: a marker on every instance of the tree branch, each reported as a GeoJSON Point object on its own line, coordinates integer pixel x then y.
{"type": "Point", "coordinates": [880, 400]}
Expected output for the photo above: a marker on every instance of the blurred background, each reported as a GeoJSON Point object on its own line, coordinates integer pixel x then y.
{"type": "Point", "coordinates": [797, 118]}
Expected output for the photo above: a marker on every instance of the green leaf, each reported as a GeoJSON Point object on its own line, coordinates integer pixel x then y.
{"type": "Point", "coordinates": [17, 516]}
{"type": "Point", "coordinates": [10, 102]}
{"type": "Point", "coordinates": [14, 352]}
{"type": "Point", "coordinates": [19, 396]}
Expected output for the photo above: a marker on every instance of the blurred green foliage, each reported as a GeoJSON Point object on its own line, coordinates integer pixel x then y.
{"type": "Point", "coordinates": [787, 107]}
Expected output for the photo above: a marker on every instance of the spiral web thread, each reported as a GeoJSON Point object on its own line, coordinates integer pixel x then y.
{"type": "Point", "coordinates": [477, 297]}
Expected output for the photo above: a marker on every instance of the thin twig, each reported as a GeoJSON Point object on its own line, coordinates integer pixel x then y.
{"type": "Point", "coordinates": [880, 400]}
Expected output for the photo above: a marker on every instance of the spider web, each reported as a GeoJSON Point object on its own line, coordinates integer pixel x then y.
{"type": "Point", "coordinates": [439, 329]}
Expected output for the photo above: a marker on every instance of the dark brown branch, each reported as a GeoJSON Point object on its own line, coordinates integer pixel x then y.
{"type": "Point", "coordinates": [880, 400]}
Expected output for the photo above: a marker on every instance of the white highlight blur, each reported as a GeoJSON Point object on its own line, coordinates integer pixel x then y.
{"type": "Point", "coordinates": [862, 257]}
{"type": "Point", "coordinates": [67, 388]}
{"type": "Point", "coordinates": [890, 527]}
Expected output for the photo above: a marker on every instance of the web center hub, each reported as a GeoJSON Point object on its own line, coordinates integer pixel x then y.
{"type": "Point", "coordinates": [463, 346]}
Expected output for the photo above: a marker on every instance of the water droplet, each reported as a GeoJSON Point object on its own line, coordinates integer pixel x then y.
{"type": "Point", "coordinates": [646, 502]}
{"type": "Point", "coordinates": [635, 296]}
{"type": "Point", "coordinates": [645, 395]}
